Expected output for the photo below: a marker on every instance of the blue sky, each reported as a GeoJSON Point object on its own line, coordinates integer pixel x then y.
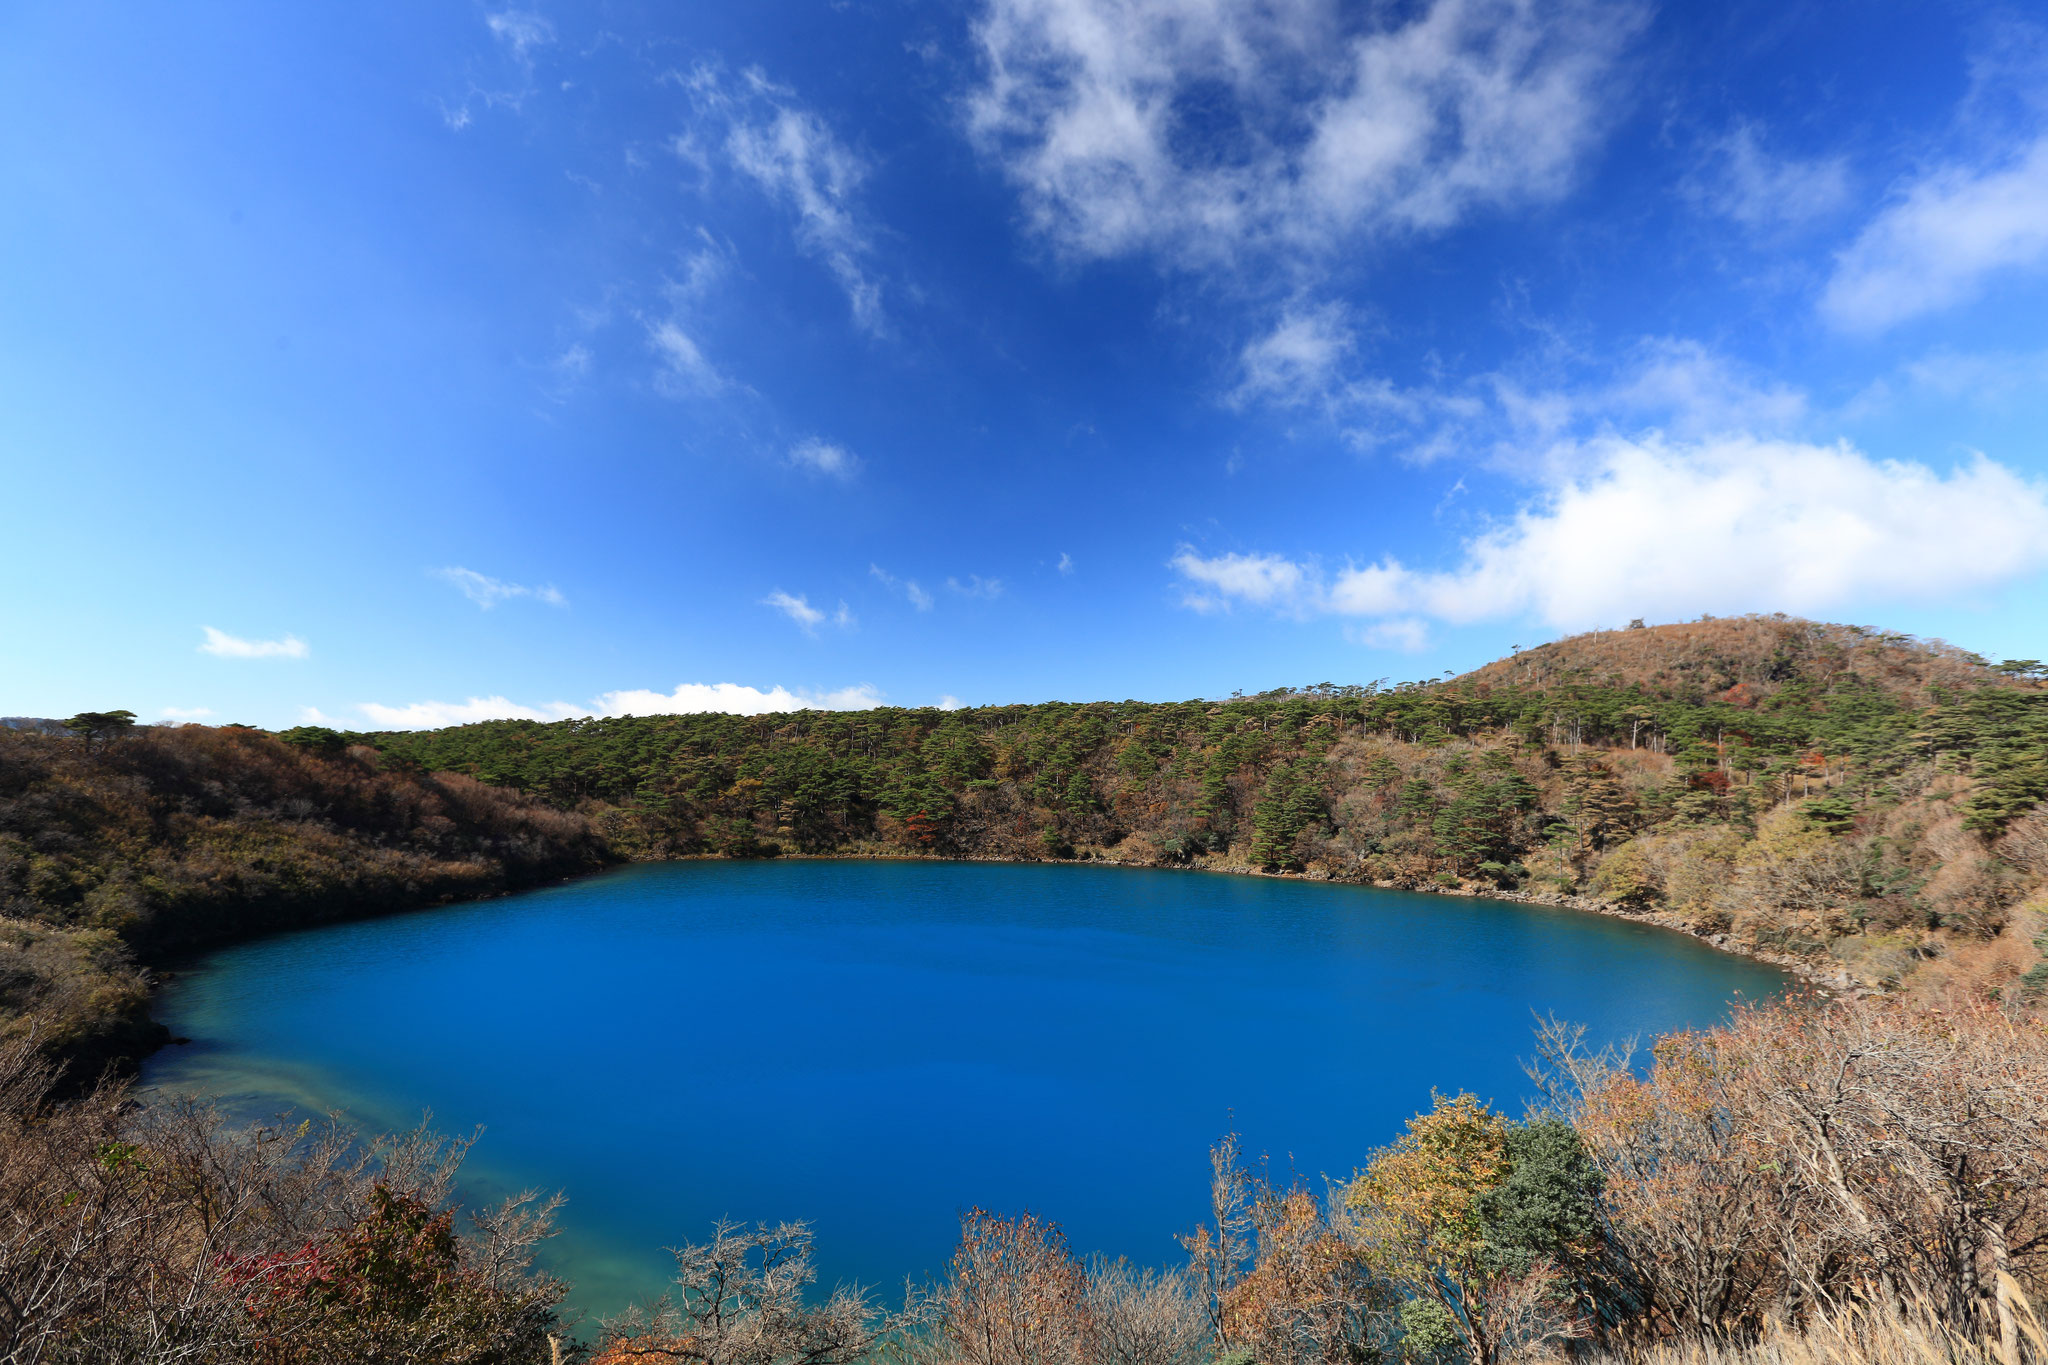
{"type": "Point", "coordinates": [403, 364]}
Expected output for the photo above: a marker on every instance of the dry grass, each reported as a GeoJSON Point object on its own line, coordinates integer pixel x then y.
{"type": "Point", "coordinates": [1858, 1337]}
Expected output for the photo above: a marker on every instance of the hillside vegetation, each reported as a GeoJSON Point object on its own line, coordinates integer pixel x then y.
{"type": "Point", "coordinates": [137, 847]}
{"type": "Point", "coordinates": [1865, 803]}
{"type": "Point", "coordinates": [1839, 1181]}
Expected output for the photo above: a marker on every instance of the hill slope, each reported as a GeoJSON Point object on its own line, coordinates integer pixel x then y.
{"type": "Point", "coordinates": [1760, 654]}
{"type": "Point", "coordinates": [170, 839]}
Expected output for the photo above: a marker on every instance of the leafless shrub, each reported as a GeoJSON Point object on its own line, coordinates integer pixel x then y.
{"type": "Point", "coordinates": [1803, 1158]}
{"type": "Point", "coordinates": [1144, 1316]}
{"type": "Point", "coordinates": [739, 1299]}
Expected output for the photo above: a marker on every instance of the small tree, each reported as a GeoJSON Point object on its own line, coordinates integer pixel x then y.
{"type": "Point", "coordinates": [1479, 1220]}
{"type": "Point", "coordinates": [102, 725]}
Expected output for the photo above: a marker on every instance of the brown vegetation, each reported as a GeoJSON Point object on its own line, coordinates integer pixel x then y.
{"type": "Point", "coordinates": [1745, 659]}
{"type": "Point", "coordinates": [148, 1236]}
{"type": "Point", "coordinates": [163, 840]}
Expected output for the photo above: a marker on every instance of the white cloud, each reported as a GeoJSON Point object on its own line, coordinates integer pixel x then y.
{"type": "Point", "coordinates": [224, 646]}
{"type": "Point", "coordinates": [797, 160]}
{"type": "Point", "coordinates": [823, 457]}
{"type": "Point", "coordinates": [487, 592]}
{"type": "Point", "coordinates": [1262, 580]}
{"type": "Point", "coordinates": [976, 586]}
{"type": "Point", "coordinates": [1203, 130]}
{"type": "Point", "coordinates": [735, 699]}
{"type": "Point", "coordinates": [844, 617]}
{"type": "Point", "coordinates": [1660, 528]}
{"type": "Point", "coordinates": [186, 712]}
{"type": "Point", "coordinates": [684, 370]}
{"type": "Point", "coordinates": [1297, 362]}
{"type": "Point", "coordinates": [1942, 240]}
{"type": "Point", "coordinates": [1066, 564]}
{"type": "Point", "coordinates": [1744, 181]}
{"type": "Point", "coordinates": [313, 715]}
{"type": "Point", "coordinates": [1403, 633]}
{"type": "Point", "coordinates": [797, 609]}
{"type": "Point", "coordinates": [687, 699]}
{"type": "Point", "coordinates": [433, 715]}
{"type": "Point", "coordinates": [949, 702]}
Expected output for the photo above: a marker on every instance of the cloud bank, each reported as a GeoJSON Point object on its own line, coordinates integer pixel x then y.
{"type": "Point", "coordinates": [687, 699]}
{"type": "Point", "coordinates": [1657, 528]}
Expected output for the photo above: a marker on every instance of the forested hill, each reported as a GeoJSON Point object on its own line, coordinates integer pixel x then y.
{"type": "Point", "coordinates": [132, 846]}
{"type": "Point", "coordinates": [1796, 784]}
{"type": "Point", "coordinates": [1868, 802]}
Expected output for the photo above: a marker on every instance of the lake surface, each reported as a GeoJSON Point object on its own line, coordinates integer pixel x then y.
{"type": "Point", "coordinates": [875, 1046]}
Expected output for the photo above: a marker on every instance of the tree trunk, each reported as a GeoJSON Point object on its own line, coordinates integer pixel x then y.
{"type": "Point", "coordinates": [2003, 1291]}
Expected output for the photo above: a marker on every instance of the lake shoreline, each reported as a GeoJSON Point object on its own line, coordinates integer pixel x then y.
{"type": "Point", "coordinates": [1803, 970]}
{"type": "Point", "coordinates": [1048, 1037]}
{"type": "Point", "coordinates": [1806, 971]}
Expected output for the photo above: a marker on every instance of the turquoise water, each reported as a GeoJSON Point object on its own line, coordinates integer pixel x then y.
{"type": "Point", "coordinates": [874, 1046]}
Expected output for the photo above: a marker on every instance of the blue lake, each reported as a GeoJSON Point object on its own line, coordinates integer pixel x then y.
{"type": "Point", "coordinates": [874, 1046]}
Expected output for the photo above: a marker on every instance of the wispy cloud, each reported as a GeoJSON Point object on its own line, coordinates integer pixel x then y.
{"type": "Point", "coordinates": [222, 645]}
{"type": "Point", "coordinates": [186, 712]}
{"type": "Point", "coordinates": [797, 609]}
{"type": "Point", "coordinates": [1768, 525]}
{"type": "Point", "coordinates": [520, 30]}
{"type": "Point", "coordinates": [792, 154]}
{"type": "Point", "coordinates": [800, 610]}
{"type": "Point", "coordinates": [823, 457]}
{"type": "Point", "coordinates": [1742, 179]}
{"type": "Point", "coordinates": [976, 586]}
{"type": "Point", "coordinates": [520, 34]}
{"type": "Point", "coordinates": [1942, 240]}
{"type": "Point", "coordinates": [1066, 564]}
{"type": "Point", "coordinates": [487, 592]}
{"type": "Point", "coordinates": [1672, 385]}
{"type": "Point", "coordinates": [1405, 634]}
{"type": "Point", "coordinates": [684, 371]}
{"type": "Point", "coordinates": [916, 595]}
